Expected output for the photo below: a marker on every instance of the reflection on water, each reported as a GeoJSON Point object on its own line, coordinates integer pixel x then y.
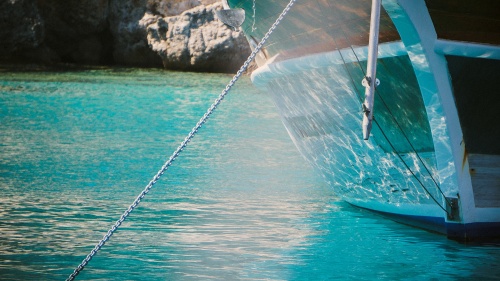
{"type": "Point", "coordinates": [239, 204]}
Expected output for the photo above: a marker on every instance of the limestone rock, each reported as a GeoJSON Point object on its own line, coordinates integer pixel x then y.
{"type": "Point", "coordinates": [196, 41]}
{"type": "Point", "coordinates": [147, 33]}
{"type": "Point", "coordinates": [130, 45]}
{"type": "Point", "coordinates": [174, 7]}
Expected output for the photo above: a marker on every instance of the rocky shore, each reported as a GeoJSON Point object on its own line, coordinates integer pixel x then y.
{"type": "Point", "coordinates": [174, 34]}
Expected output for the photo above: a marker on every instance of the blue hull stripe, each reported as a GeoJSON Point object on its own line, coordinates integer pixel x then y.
{"type": "Point", "coordinates": [480, 231]}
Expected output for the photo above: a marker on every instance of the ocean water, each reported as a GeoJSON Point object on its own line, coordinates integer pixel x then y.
{"type": "Point", "coordinates": [240, 203]}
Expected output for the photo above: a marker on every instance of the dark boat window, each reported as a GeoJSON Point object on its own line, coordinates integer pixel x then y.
{"type": "Point", "coordinates": [475, 88]}
{"type": "Point", "coordinates": [475, 21]}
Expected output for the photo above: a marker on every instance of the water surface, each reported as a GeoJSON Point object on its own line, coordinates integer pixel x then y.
{"type": "Point", "coordinates": [240, 203]}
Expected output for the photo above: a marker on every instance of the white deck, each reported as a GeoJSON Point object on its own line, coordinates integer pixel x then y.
{"type": "Point", "coordinates": [485, 176]}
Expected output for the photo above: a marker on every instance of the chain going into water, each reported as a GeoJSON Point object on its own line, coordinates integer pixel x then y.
{"type": "Point", "coordinates": [253, 24]}
{"type": "Point", "coordinates": [181, 147]}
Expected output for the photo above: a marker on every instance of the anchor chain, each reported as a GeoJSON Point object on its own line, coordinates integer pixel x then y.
{"type": "Point", "coordinates": [181, 147]}
{"type": "Point", "coordinates": [253, 16]}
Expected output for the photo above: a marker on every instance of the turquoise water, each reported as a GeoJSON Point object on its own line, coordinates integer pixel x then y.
{"type": "Point", "coordinates": [240, 203]}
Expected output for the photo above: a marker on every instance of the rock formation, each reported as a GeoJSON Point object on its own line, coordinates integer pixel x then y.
{"type": "Point", "coordinates": [76, 31]}
{"type": "Point", "coordinates": [21, 26]}
{"type": "Point", "coordinates": [178, 34]}
{"type": "Point", "coordinates": [196, 40]}
{"type": "Point", "coordinates": [130, 45]}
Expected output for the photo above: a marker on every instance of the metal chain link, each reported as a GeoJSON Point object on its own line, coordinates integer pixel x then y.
{"type": "Point", "coordinates": [253, 16]}
{"type": "Point", "coordinates": [181, 147]}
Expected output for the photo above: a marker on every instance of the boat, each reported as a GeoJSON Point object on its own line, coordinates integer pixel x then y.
{"type": "Point", "coordinates": [432, 156]}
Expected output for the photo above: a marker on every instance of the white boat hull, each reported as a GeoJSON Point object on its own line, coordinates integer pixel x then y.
{"type": "Point", "coordinates": [415, 167]}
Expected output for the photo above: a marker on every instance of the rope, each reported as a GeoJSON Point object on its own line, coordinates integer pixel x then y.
{"type": "Point", "coordinates": [181, 147]}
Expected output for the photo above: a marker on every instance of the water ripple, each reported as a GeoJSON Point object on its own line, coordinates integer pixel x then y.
{"type": "Point", "coordinates": [239, 204]}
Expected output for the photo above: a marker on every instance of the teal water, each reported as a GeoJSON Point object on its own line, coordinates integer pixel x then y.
{"type": "Point", "coordinates": [240, 203]}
